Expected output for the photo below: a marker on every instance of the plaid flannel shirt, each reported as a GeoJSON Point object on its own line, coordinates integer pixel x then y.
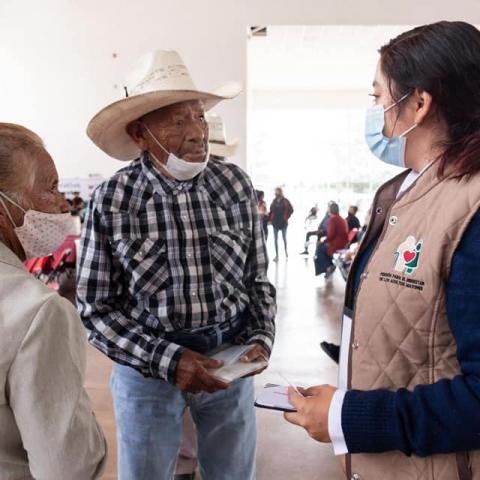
{"type": "Point", "coordinates": [158, 256]}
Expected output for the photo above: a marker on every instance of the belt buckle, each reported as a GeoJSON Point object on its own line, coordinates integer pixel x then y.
{"type": "Point", "coordinates": [203, 329]}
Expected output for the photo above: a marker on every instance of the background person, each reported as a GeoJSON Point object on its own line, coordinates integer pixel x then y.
{"type": "Point", "coordinates": [336, 239]}
{"type": "Point", "coordinates": [219, 148]}
{"type": "Point", "coordinates": [78, 208]}
{"type": "Point", "coordinates": [320, 232]}
{"type": "Point", "coordinates": [280, 211]}
{"type": "Point", "coordinates": [352, 219]}
{"type": "Point", "coordinates": [263, 212]}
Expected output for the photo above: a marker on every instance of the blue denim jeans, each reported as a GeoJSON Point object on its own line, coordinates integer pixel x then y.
{"type": "Point", "coordinates": [149, 416]}
{"type": "Point", "coordinates": [284, 236]}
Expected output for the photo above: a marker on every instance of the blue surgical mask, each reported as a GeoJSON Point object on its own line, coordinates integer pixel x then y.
{"type": "Point", "coordinates": [390, 150]}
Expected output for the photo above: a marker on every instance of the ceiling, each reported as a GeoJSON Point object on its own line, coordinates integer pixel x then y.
{"type": "Point", "coordinates": [330, 57]}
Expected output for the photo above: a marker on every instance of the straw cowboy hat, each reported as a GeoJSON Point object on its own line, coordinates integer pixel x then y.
{"type": "Point", "coordinates": [157, 80]}
{"type": "Point", "coordinates": [216, 137]}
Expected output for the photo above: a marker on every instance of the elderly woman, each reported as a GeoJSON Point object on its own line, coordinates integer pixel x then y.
{"type": "Point", "coordinates": [48, 430]}
{"type": "Point", "coordinates": [408, 405]}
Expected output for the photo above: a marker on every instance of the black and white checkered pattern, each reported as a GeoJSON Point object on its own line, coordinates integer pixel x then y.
{"type": "Point", "coordinates": [159, 255]}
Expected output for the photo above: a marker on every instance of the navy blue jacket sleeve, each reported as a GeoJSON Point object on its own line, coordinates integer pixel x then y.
{"type": "Point", "coordinates": [438, 418]}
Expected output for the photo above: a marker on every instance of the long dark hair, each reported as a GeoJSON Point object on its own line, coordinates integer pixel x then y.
{"type": "Point", "coordinates": [442, 59]}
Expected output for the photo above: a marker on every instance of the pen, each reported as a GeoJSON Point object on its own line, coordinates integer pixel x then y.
{"type": "Point", "coordinates": [290, 383]}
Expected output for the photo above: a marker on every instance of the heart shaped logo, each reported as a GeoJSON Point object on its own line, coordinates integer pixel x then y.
{"type": "Point", "coordinates": [409, 256]}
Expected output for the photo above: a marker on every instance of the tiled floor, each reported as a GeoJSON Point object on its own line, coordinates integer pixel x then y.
{"type": "Point", "coordinates": [308, 311]}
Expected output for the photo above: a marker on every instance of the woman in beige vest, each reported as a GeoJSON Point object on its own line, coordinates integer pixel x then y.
{"type": "Point", "coordinates": [408, 402]}
{"type": "Point", "coordinates": [47, 428]}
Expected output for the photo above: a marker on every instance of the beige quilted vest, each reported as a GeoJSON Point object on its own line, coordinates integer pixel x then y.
{"type": "Point", "coordinates": [400, 334]}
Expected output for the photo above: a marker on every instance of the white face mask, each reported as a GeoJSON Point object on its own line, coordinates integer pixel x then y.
{"type": "Point", "coordinates": [41, 233]}
{"type": "Point", "coordinates": [176, 167]}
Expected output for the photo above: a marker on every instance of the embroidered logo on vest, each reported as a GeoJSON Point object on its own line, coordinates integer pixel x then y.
{"type": "Point", "coordinates": [408, 255]}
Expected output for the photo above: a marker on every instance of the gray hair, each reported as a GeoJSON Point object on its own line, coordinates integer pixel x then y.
{"type": "Point", "coordinates": [16, 140]}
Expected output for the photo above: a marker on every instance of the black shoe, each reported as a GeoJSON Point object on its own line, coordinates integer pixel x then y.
{"type": "Point", "coordinates": [185, 476]}
{"type": "Point", "coordinates": [332, 350]}
{"type": "Point", "coordinates": [305, 252]}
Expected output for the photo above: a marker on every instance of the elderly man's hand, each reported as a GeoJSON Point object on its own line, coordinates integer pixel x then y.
{"type": "Point", "coordinates": [192, 376]}
{"type": "Point", "coordinates": [256, 354]}
{"type": "Point", "coordinates": [312, 410]}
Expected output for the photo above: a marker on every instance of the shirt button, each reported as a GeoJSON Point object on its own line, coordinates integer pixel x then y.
{"type": "Point", "coordinates": [356, 476]}
{"type": "Point", "coordinates": [194, 294]}
{"type": "Point", "coordinates": [184, 217]}
{"type": "Point", "coordinates": [393, 220]}
{"type": "Point", "coordinates": [379, 210]}
{"type": "Point", "coordinates": [189, 255]}
{"type": "Point", "coordinates": [364, 275]}
{"type": "Point", "coordinates": [218, 279]}
{"type": "Point", "coordinates": [355, 345]}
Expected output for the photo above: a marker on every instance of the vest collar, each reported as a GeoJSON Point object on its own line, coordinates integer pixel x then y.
{"type": "Point", "coordinates": [426, 181]}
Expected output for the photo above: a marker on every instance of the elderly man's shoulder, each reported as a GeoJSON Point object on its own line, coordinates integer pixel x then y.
{"type": "Point", "coordinates": [125, 180]}
{"type": "Point", "coordinates": [229, 174]}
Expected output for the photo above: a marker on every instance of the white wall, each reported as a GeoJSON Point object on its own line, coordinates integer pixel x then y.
{"type": "Point", "coordinates": [57, 67]}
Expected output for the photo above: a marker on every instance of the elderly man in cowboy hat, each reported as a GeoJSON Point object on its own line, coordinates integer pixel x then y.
{"type": "Point", "coordinates": [187, 460]}
{"type": "Point", "coordinates": [173, 265]}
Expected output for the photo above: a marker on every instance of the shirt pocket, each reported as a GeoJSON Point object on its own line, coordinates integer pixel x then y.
{"type": "Point", "coordinates": [145, 263]}
{"type": "Point", "coordinates": [228, 254]}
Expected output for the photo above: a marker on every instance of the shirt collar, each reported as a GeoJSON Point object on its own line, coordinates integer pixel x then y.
{"type": "Point", "coordinates": [411, 179]}
{"type": "Point", "coordinates": [165, 185]}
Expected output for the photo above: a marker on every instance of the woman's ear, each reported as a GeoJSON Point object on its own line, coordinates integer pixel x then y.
{"type": "Point", "coordinates": [422, 105]}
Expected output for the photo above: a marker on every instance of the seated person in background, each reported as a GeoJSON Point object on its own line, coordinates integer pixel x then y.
{"type": "Point", "coordinates": [336, 239]}
{"type": "Point", "coordinates": [78, 208]}
{"type": "Point", "coordinates": [312, 214]}
{"type": "Point", "coordinates": [320, 232]}
{"type": "Point", "coordinates": [48, 430]}
{"type": "Point", "coordinates": [352, 219]}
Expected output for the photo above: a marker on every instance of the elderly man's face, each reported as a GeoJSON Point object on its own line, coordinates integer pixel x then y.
{"type": "Point", "coordinates": [181, 129]}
